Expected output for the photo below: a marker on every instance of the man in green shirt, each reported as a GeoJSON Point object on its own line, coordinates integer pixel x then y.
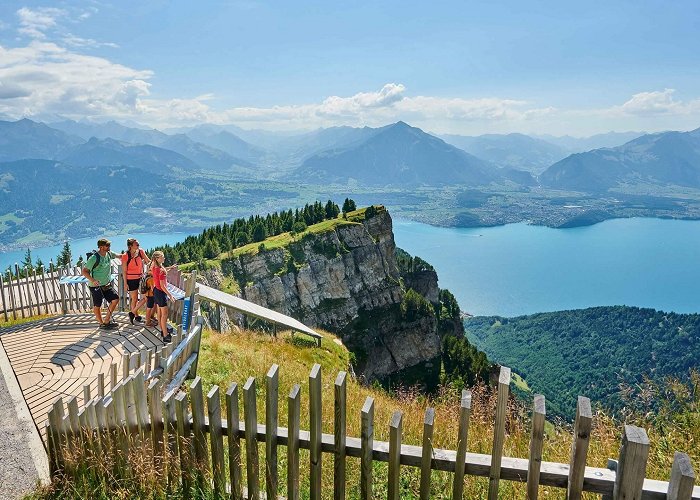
{"type": "Point", "coordinates": [98, 271]}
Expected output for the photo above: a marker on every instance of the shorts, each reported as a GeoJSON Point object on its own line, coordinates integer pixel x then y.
{"type": "Point", "coordinates": [160, 297]}
{"type": "Point", "coordinates": [133, 285]}
{"type": "Point", "coordinates": [150, 302]}
{"type": "Point", "coordinates": [100, 293]}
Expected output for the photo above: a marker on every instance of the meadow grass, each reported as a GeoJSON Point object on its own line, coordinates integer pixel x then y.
{"type": "Point", "coordinates": [233, 357]}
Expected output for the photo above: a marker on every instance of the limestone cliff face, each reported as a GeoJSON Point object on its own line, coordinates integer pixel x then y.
{"type": "Point", "coordinates": [346, 280]}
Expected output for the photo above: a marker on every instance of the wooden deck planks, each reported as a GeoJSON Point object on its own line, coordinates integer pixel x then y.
{"type": "Point", "coordinates": [58, 356]}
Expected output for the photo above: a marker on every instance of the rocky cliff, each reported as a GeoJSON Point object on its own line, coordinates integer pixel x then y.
{"type": "Point", "coordinates": [345, 279]}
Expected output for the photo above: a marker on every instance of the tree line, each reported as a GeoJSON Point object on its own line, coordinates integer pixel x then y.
{"type": "Point", "coordinates": [225, 237]}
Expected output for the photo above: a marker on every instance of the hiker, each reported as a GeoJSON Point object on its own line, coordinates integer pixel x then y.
{"type": "Point", "coordinates": [150, 299]}
{"type": "Point", "coordinates": [161, 293]}
{"type": "Point", "coordinates": [132, 265]}
{"type": "Point", "coordinates": [98, 271]}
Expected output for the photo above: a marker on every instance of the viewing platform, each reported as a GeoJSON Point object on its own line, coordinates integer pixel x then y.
{"type": "Point", "coordinates": [62, 355]}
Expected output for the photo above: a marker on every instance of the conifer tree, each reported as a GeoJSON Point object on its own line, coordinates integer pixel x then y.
{"type": "Point", "coordinates": [65, 257]}
{"type": "Point", "coordinates": [27, 262]}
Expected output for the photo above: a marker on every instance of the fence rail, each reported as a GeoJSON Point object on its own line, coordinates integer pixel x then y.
{"type": "Point", "coordinates": [30, 292]}
{"type": "Point", "coordinates": [185, 439]}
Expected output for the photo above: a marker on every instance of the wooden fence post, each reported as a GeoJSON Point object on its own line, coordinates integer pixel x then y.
{"type": "Point", "coordinates": [465, 409]}
{"type": "Point", "coordinates": [425, 472]}
{"type": "Point", "coordinates": [251, 442]}
{"type": "Point", "coordinates": [367, 446]}
{"type": "Point", "coordinates": [315, 414]}
{"type": "Point", "coordinates": [56, 421]}
{"type": "Point", "coordinates": [19, 290]}
{"type": "Point", "coordinates": [536, 442]}
{"type": "Point", "coordinates": [339, 434]}
{"type": "Point", "coordinates": [11, 288]}
{"type": "Point", "coordinates": [234, 442]}
{"type": "Point", "coordinates": [45, 289]}
{"type": "Point", "coordinates": [101, 385]}
{"type": "Point", "coordinates": [217, 442]}
{"type": "Point", "coordinates": [170, 423]}
{"type": "Point", "coordinates": [680, 487]}
{"type": "Point", "coordinates": [200, 437]}
{"type": "Point", "coordinates": [294, 410]}
{"type": "Point", "coordinates": [184, 443]}
{"type": "Point", "coordinates": [631, 467]}
{"type": "Point", "coordinates": [271, 420]}
{"type": "Point", "coordinates": [28, 289]}
{"type": "Point", "coordinates": [155, 410]}
{"type": "Point", "coordinates": [394, 455]}
{"type": "Point", "coordinates": [4, 303]}
{"type": "Point", "coordinates": [579, 448]}
{"type": "Point", "coordinates": [499, 432]}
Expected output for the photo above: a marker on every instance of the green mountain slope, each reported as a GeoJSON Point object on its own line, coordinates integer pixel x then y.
{"type": "Point", "coordinates": [591, 351]}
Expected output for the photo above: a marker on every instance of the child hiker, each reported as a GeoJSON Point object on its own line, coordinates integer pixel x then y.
{"type": "Point", "coordinates": [132, 264]}
{"type": "Point", "coordinates": [161, 293]}
{"type": "Point", "coordinates": [150, 299]}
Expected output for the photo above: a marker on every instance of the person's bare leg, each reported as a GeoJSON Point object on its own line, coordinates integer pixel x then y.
{"type": "Point", "coordinates": [133, 301]}
{"type": "Point", "coordinates": [110, 310]}
{"type": "Point", "coordinates": [149, 315]}
{"type": "Point", "coordinates": [139, 305]}
{"type": "Point", "coordinates": [98, 313]}
{"type": "Point", "coordinates": [163, 317]}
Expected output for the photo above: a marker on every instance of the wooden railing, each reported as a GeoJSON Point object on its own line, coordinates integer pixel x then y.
{"type": "Point", "coordinates": [30, 292]}
{"type": "Point", "coordinates": [185, 439]}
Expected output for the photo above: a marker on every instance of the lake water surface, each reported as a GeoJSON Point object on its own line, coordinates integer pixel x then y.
{"type": "Point", "coordinates": [520, 269]}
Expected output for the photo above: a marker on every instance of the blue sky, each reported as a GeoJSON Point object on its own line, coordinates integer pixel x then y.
{"type": "Point", "coordinates": [457, 67]}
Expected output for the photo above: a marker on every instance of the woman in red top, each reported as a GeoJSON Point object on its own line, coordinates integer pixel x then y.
{"type": "Point", "coordinates": [132, 266]}
{"type": "Point", "coordinates": [161, 293]}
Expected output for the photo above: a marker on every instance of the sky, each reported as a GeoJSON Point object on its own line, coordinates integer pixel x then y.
{"type": "Point", "coordinates": [462, 67]}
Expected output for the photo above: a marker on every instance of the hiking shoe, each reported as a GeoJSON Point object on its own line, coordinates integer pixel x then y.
{"type": "Point", "coordinates": [131, 317]}
{"type": "Point", "coordinates": [167, 339]}
{"type": "Point", "coordinates": [109, 326]}
{"type": "Point", "coordinates": [138, 319]}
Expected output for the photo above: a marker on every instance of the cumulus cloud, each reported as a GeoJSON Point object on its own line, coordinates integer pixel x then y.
{"type": "Point", "coordinates": [46, 78]}
{"type": "Point", "coordinates": [652, 102]}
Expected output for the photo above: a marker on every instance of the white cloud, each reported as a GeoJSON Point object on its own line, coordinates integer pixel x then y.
{"type": "Point", "coordinates": [47, 79]}
{"type": "Point", "coordinates": [660, 102]}
{"type": "Point", "coordinates": [35, 22]}
{"type": "Point", "coordinates": [76, 41]}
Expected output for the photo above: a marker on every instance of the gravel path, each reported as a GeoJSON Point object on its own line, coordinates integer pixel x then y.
{"type": "Point", "coordinates": [18, 472]}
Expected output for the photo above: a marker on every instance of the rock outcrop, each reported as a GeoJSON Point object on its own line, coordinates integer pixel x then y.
{"type": "Point", "coordinates": [346, 280]}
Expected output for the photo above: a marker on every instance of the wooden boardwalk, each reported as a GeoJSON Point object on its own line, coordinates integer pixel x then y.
{"type": "Point", "coordinates": [58, 356]}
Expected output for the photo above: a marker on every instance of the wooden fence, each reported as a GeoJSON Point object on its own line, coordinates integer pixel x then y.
{"type": "Point", "coordinates": [186, 437]}
{"type": "Point", "coordinates": [31, 292]}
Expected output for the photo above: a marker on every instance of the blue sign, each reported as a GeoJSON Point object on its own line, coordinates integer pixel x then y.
{"type": "Point", "coordinates": [186, 314]}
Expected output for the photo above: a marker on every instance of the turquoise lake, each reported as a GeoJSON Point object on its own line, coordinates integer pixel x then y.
{"type": "Point", "coordinates": [520, 269]}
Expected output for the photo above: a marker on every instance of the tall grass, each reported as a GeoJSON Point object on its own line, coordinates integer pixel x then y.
{"type": "Point", "coordinates": [226, 358]}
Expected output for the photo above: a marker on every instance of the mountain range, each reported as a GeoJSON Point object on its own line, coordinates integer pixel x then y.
{"type": "Point", "coordinates": [396, 155]}
{"type": "Point", "coordinates": [660, 159]}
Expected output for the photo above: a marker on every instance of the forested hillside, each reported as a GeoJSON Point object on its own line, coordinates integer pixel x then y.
{"type": "Point", "coordinates": [596, 352]}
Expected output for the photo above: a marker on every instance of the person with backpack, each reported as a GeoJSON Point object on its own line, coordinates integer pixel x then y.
{"type": "Point", "coordinates": [98, 271]}
{"type": "Point", "coordinates": [147, 291]}
{"type": "Point", "coordinates": [132, 267]}
{"type": "Point", "coordinates": [161, 293]}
